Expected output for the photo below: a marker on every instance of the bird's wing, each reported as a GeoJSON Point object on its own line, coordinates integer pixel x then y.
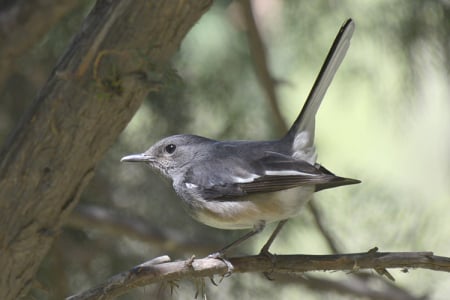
{"type": "Point", "coordinates": [284, 172]}
{"type": "Point", "coordinates": [270, 173]}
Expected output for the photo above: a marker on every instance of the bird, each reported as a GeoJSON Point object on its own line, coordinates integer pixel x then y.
{"type": "Point", "coordinates": [247, 184]}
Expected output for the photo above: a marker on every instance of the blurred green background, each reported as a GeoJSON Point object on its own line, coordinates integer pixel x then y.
{"type": "Point", "coordinates": [384, 120]}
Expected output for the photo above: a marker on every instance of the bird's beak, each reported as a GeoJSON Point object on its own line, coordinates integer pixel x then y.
{"type": "Point", "coordinates": [137, 158]}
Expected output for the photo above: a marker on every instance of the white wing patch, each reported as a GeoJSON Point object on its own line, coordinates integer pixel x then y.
{"type": "Point", "coordinates": [191, 185]}
{"type": "Point", "coordinates": [250, 178]}
{"type": "Point", "coordinates": [286, 173]}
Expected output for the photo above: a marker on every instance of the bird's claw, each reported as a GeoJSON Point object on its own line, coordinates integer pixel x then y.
{"type": "Point", "coordinates": [265, 252]}
{"type": "Point", "coordinates": [221, 256]}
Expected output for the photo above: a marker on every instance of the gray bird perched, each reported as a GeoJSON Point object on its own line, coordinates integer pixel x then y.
{"type": "Point", "coordinates": [247, 184]}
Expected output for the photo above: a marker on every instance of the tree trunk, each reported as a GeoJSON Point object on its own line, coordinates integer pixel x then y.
{"type": "Point", "coordinates": [120, 54]}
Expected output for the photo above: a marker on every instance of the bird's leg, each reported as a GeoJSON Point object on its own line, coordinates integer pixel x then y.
{"type": "Point", "coordinates": [265, 248]}
{"type": "Point", "coordinates": [256, 229]}
{"type": "Point", "coordinates": [220, 254]}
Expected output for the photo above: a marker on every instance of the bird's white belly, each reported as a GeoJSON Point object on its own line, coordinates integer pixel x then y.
{"type": "Point", "coordinates": [267, 207]}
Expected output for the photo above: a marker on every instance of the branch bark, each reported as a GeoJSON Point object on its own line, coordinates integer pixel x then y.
{"type": "Point", "coordinates": [161, 269]}
{"type": "Point", "coordinates": [118, 57]}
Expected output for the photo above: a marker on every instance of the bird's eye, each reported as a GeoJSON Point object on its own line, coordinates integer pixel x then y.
{"type": "Point", "coordinates": [170, 148]}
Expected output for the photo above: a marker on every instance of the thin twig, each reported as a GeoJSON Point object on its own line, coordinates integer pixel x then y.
{"type": "Point", "coordinates": [258, 53]}
{"type": "Point", "coordinates": [331, 242]}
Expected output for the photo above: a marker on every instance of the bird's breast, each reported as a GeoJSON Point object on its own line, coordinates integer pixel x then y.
{"type": "Point", "coordinates": [246, 212]}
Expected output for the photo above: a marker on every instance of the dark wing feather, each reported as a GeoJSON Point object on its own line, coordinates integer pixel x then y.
{"type": "Point", "coordinates": [228, 185]}
{"type": "Point", "coordinates": [274, 163]}
{"type": "Point", "coordinates": [221, 192]}
{"type": "Point", "coordinates": [334, 182]}
{"type": "Point", "coordinates": [275, 183]}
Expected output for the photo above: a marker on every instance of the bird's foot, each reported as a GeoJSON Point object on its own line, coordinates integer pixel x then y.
{"type": "Point", "coordinates": [265, 252]}
{"type": "Point", "coordinates": [221, 256]}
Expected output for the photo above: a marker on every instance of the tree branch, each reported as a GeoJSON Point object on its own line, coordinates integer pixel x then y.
{"type": "Point", "coordinates": [326, 234]}
{"type": "Point", "coordinates": [258, 54]}
{"type": "Point", "coordinates": [161, 269]}
{"type": "Point", "coordinates": [90, 216]}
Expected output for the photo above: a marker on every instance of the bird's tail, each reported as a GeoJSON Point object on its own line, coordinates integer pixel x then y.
{"type": "Point", "coordinates": [301, 134]}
